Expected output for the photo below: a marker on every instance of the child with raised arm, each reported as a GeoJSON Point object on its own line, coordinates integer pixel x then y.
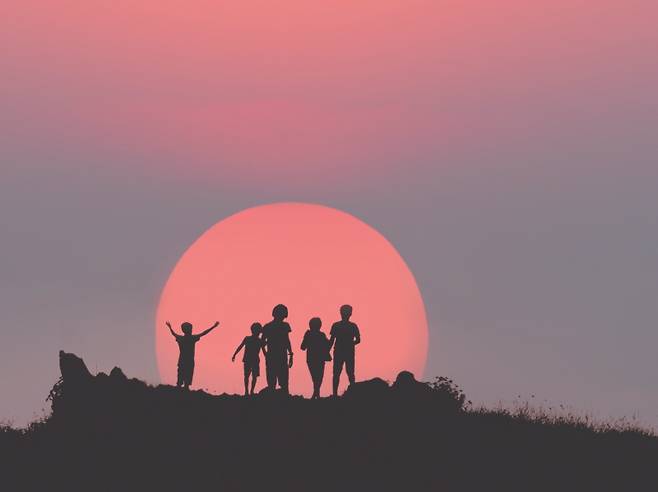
{"type": "Point", "coordinates": [186, 344]}
{"type": "Point", "coordinates": [251, 358]}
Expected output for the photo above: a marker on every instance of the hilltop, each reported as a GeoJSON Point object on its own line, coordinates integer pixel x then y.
{"type": "Point", "coordinates": [109, 432]}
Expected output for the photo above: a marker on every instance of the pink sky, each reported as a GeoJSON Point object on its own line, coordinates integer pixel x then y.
{"type": "Point", "coordinates": [306, 90]}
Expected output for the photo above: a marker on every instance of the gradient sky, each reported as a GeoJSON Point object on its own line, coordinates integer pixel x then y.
{"type": "Point", "coordinates": [508, 149]}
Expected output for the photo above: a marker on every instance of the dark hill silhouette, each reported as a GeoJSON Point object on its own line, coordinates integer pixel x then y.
{"type": "Point", "coordinates": [108, 432]}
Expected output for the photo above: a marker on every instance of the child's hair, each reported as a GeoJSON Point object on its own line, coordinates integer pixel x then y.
{"type": "Point", "coordinates": [315, 324]}
{"type": "Point", "coordinates": [280, 312]}
{"type": "Point", "coordinates": [186, 327]}
{"type": "Point", "coordinates": [346, 311]}
{"type": "Point", "coordinates": [256, 328]}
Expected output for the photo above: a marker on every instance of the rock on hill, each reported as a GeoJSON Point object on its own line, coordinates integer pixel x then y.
{"type": "Point", "coordinates": [108, 432]}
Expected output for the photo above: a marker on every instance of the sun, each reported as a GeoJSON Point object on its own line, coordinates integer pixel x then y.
{"type": "Point", "coordinates": [309, 257]}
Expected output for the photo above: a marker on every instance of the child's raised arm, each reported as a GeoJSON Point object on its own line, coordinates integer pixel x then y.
{"type": "Point", "coordinates": [237, 350]}
{"type": "Point", "coordinates": [204, 333]}
{"type": "Point", "coordinates": [172, 330]}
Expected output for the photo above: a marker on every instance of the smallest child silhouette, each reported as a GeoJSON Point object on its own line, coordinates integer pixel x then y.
{"type": "Point", "coordinates": [251, 359]}
{"type": "Point", "coordinates": [187, 344]}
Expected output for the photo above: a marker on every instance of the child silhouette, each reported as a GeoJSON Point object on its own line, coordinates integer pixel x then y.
{"type": "Point", "coordinates": [278, 351]}
{"type": "Point", "coordinates": [252, 346]}
{"type": "Point", "coordinates": [316, 344]}
{"type": "Point", "coordinates": [186, 344]}
{"type": "Point", "coordinates": [345, 336]}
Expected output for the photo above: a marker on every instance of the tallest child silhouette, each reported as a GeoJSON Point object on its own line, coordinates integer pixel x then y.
{"type": "Point", "coordinates": [345, 336]}
{"type": "Point", "coordinates": [278, 351]}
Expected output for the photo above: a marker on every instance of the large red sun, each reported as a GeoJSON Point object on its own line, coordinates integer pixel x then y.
{"type": "Point", "coordinates": [311, 258]}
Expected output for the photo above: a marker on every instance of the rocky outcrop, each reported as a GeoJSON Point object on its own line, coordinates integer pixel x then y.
{"type": "Point", "coordinates": [73, 369]}
{"type": "Point", "coordinates": [372, 388]}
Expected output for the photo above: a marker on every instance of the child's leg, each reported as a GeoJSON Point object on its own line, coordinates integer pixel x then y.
{"type": "Point", "coordinates": [311, 371]}
{"type": "Point", "coordinates": [314, 369]}
{"type": "Point", "coordinates": [338, 368]}
{"type": "Point", "coordinates": [349, 367]}
{"type": "Point", "coordinates": [316, 388]}
{"type": "Point", "coordinates": [247, 371]}
{"type": "Point", "coordinates": [255, 373]}
{"type": "Point", "coordinates": [283, 376]}
{"type": "Point", "coordinates": [320, 376]}
{"type": "Point", "coordinates": [188, 376]}
{"type": "Point", "coordinates": [270, 372]}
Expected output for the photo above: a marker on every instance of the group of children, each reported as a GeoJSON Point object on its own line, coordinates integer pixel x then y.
{"type": "Point", "coordinates": [274, 341]}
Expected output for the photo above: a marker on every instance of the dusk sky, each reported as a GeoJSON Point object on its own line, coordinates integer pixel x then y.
{"type": "Point", "coordinates": [507, 149]}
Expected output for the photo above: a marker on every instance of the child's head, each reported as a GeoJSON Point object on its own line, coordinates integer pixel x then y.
{"type": "Point", "coordinates": [187, 328]}
{"type": "Point", "coordinates": [280, 312]}
{"type": "Point", "coordinates": [346, 312]}
{"type": "Point", "coordinates": [315, 324]}
{"type": "Point", "coordinates": [256, 328]}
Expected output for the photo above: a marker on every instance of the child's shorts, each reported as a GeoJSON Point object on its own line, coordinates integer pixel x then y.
{"type": "Point", "coordinates": [252, 367]}
{"type": "Point", "coordinates": [185, 374]}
